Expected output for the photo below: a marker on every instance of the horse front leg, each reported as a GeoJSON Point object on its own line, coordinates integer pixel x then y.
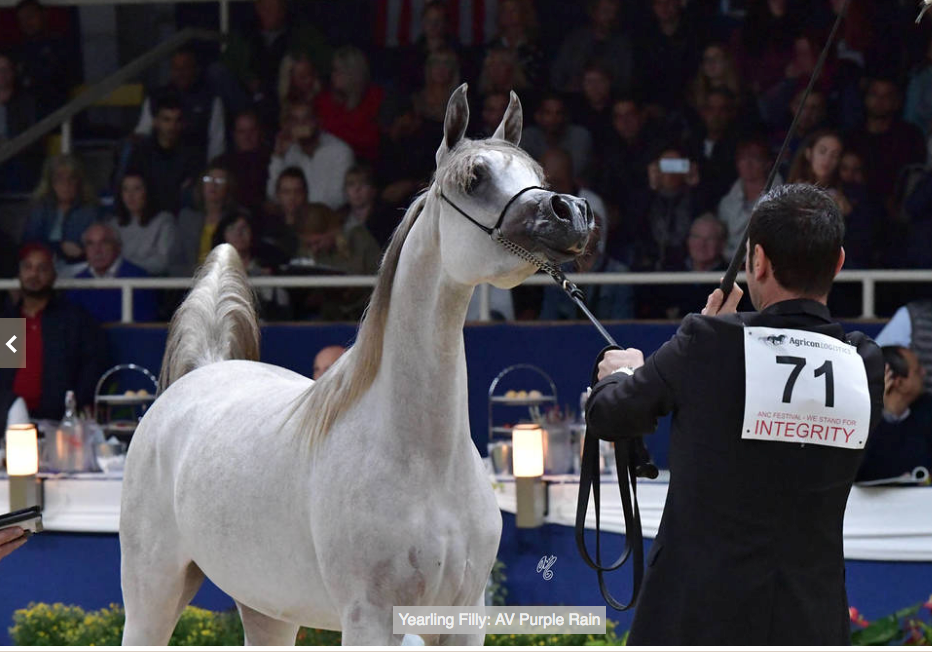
{"type": "Point", "coordinates": [368, 624]}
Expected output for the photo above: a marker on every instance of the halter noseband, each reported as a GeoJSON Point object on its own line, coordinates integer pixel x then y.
{"type": "Point", "coordinates": [501, 216]}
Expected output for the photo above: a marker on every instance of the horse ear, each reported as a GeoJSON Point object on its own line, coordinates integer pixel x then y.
{"type": "Point", "coordinates": [454, 124]}
{"type": "Point", "coordinates": [510, 127]}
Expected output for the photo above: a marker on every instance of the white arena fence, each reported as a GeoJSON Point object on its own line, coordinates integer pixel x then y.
{"type": "Point", "coordinates": [868, 280]}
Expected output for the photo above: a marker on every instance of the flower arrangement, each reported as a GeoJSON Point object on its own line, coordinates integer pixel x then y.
{"type": "Point", "coordinates": [909, 626]}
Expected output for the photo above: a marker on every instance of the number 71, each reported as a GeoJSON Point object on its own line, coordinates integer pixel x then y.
{"type": "Point", "coordinates": [798, 364]}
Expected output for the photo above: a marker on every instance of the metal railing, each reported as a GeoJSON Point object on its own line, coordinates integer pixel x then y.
{"type": "Point", "coordinates": [867, 278]}
{"type": "Point", "coordinates": [100, 90]}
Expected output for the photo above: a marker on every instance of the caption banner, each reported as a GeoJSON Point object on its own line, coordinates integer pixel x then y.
{"type": "Point", "coordinates": [498, 620]}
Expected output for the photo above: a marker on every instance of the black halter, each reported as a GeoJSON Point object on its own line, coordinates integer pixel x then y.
{"type": "Point", "coordinates": [501, 216]}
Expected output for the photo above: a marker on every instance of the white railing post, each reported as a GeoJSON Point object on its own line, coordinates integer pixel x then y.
{"type": "Point", "coordinates": [66, 136]}
{"type": "Point", "coordinates": [485, 311]}
{"type": "Point", "coordinates": [126, 303]}
{"type": "Point", "coordinates": [867, 297]}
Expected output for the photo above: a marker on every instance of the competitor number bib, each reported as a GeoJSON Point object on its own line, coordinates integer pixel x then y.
{"type": "Point", "coordinates": [804, 388]}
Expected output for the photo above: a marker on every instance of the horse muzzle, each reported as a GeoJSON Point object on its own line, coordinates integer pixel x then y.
{"type": "Point", "coordinates": [562, 228]}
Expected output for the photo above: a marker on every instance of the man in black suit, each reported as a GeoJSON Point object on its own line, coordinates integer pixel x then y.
{"type": "Point", "coordinates": [767, 437]}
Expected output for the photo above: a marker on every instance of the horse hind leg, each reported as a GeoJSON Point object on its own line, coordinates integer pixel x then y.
{"type": "Point", "coordinates": [154, 599]}
{"type": "Point", "coordinates": [264, 630]}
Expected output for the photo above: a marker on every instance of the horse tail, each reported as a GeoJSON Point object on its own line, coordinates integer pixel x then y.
{"type": "Point", "coordinates": [217, 320]}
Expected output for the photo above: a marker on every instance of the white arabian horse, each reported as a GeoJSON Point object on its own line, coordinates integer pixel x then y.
{"type": "Point", "coordinates": [326, 504]}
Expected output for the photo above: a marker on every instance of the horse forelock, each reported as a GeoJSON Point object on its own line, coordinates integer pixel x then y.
{"type": "Point", "coordinates": [459, 170]}
{"type": "Point", "coordinates": [346, 381]}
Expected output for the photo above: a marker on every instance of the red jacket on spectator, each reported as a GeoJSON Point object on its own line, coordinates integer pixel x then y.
{"type": "Point", "coordinates": [359, 126]}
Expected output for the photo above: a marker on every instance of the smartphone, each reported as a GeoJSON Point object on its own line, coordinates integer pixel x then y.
{"type": "Point", "coordinates": [674, 165]}
{"type": "Point", "coordinates": [30, 519]}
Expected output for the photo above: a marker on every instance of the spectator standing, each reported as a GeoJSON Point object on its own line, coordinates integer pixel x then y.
{"type": "Point", "coordinates": [601, 39]}
{"type": "Point", "coordinates": [552, 128]}
{"type": "Point", "coordinates": [194, 234]}
{"type": "Point", "coordinates": [322, 157]}
{"type": "Point", "coordinates": [202, 110]}
{"type": "Point", "coordinates": [753, 160]}
{"type": "Point", "coordinates": [349, 109]}
{"type": "Point", "coordinates": [248, 161]}
{"type": "Point", "coordinates": [889, 143]}
{"type": "Point", "coordinates": [104, 260]}
{"type": "Point", "coordinates": [64, 206]}
{"type": "Point", "coordinates": [168, 163]}
{"type": "Point", "coordinates": [903, 438]}
{"type": "Point", "coordinates": [147, 236]}
{"type": "Point", "coordinates": [65, 347]}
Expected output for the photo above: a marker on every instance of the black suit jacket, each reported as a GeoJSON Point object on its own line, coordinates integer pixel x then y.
{"type": "Point", "coordinates": [74, 356]}
{"type": "Point", "coordinates": [749, 550]}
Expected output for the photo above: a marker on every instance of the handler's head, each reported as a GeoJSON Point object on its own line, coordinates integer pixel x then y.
{"type": "Point", "coordinates": [794, 245]}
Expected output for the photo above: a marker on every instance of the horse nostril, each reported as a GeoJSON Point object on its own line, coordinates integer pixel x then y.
{"type": "Point", "coordinates": [561, 208]}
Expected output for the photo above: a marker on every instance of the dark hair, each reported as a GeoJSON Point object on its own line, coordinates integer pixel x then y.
{"type": "Point", "coordinates": [894, 358]}
{"type": "Point", "coordinates": [801, 167]}
{"type": "Point", "coordinates": [293, 172]}
{"type": "Point", "coordinates": [166, 102]}
{"type": "Point", "coordinates": [753, 141]}
{"type": "Point", "coordinates": [801, 230]}
{"type": "Point", "coordinates": [230, 218]}
{"type": "Point", "coordinates": [122, 213]}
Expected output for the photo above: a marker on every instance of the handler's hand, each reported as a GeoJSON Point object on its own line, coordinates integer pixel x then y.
{"type": "Point", "coordinates": [615, 359]}
{"type": "Point", "coordinates": [713, 305]}
{"type": "Point", "coordinates": [11, 538]}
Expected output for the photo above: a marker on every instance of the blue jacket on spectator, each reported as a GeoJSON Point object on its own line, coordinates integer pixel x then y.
{"type": "Point", "coordinates": [106, 305]}
{"type": "Point", "coordinates": [41, 223]}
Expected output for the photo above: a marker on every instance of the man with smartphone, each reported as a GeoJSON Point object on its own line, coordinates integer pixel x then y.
{"type": "Point", "coordinates": [771, 414]}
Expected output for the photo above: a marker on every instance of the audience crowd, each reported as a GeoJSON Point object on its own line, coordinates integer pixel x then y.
{"type": "Point", "coordinates": [666, 115]}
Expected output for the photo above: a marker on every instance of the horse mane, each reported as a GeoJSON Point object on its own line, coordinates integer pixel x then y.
{"type": "Point", "coordinates": [348, 379]}
{"type": "Point", "coordinates": [350, 376]}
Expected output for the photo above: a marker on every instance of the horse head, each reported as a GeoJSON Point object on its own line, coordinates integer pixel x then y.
{"type": "Point", "coordinates": [494, 185]}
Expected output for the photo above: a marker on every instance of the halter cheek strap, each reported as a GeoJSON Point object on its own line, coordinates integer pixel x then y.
{"type": "Point", "coordinates": [501, 216]}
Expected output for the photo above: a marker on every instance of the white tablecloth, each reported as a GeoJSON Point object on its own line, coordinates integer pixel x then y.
{"type": "Point", "coordinates": [881, 523]}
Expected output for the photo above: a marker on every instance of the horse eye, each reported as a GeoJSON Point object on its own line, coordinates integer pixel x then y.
{"type": "Point", "coordinates": [479, 175]}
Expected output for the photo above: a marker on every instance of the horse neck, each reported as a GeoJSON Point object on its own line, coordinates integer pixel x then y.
{"type": "Point", "coordinates": [423, 372]}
